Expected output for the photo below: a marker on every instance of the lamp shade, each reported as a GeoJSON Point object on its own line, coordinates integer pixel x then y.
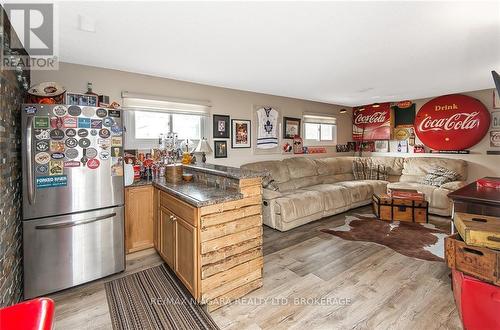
{"type": "Point", "coordinates": [203, 146]}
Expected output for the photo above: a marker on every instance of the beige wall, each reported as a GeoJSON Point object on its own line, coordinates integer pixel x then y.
{"type": "Point", "coordinates": [480, 164]}
{"type": "Point", "coordinates": [237, 104]}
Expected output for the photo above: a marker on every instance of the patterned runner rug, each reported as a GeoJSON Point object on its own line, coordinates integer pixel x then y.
{"type": "Point", "coordinates": [154, 299]}
{"type": "Point", "coordinates": [418, 240]}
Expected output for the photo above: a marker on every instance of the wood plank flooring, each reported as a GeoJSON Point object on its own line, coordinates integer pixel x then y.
{"type": "Point", "coordinates": [312, 280]}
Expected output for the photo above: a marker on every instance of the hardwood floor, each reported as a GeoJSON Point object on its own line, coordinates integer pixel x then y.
{"type": "Point", "coordinates": [312, 280]}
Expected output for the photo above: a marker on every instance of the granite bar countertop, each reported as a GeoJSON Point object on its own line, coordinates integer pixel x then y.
{"type": "Point", "coordinates": [225, 171]}
{"type": "Point", "coordinates": [197, 194]}
{"type": "Point", "coordinates": [141, 182]}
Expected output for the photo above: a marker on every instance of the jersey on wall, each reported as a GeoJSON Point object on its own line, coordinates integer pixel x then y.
{"type": "Point", "coordinates": [267, 130]}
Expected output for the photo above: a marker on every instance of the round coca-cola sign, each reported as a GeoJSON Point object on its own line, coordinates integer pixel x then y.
{"type": "Point", "coordinates": [452, 122]}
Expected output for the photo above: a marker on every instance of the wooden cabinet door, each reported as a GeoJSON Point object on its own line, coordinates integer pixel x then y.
{"type": "Point", "coordinates": [167, 237]}
{"type": "Point", "coordinates": [186, 255]}
{"type": "Point", "coordinates": [138, 218]}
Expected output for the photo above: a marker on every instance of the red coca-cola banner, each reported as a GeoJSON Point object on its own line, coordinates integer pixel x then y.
{"type": "Point", "coordinates": [452, 122]}
{"type": "Point", "coordinates": [372, 123]}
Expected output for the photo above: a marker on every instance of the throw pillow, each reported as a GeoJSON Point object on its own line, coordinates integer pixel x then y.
{"type": "Point", "coordinates": [359, 169]}
{"type": "Point", "coordinates": [377, 172]}
{"type": "Point", "coordinates": [438, 176]}
{"type": "Point", "coordinates": [269, 183]}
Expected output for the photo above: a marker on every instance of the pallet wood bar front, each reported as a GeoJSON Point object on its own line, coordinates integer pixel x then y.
{"type": "Point", "coordinates": [228, 235]}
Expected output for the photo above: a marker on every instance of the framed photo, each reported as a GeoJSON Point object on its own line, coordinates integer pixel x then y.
{"type": "Point", "coordinates": [291, 127]}
{"type": "Point", "coordinates": [221, 126]}
{"type": "Point", "coordinates": [82, 99]}
{"type": "Point", "coordinates": [220, 149]}
{"type": "Point", "coordinates": [381, 146]}
{"type": "Point", "coordinates": [495, 120]}
{"type": "Point", "coordinates": [241, 135]}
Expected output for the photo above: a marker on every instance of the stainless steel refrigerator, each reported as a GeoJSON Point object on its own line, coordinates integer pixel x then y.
{"type": "Point", "coordinates": [73, 226]}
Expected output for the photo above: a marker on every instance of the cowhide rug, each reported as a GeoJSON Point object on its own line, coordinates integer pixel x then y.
{"type": "Point", "coordinates": [418, 240]}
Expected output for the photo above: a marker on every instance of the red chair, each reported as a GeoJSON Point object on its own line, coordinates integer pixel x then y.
{"type": "Point", "coordinates": [478, 303]}
{"type": "Point", "coordinates": [36, 314]}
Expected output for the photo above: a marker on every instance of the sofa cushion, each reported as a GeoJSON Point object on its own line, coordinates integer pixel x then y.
{"type": "Point", "coordinates": [378, 186]}
{"type": "Point", "coordinates": [359, 168]}
{"type": "Point", "coordinates": [299, 204]}
{"type": "Point", "coordinates": [278, 171]}
{"type": "Point", "coordinates": [360, 190]}
{"type": "Point", "coordinates": [334, 196]}
{"type": "Point", "coordinates": [334, 165]}
{"type": "Point", "coordinates": [300, 167]}
{"type": "Point", "coordinates": [333, 178]}
{"type": "Point", "coordinates": [415, 168]}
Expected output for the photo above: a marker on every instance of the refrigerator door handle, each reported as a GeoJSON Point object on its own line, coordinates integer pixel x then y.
{"type": "Point", "coordinates": [29, 161]}
{"type": "Point", "coordinates": [76, 223]}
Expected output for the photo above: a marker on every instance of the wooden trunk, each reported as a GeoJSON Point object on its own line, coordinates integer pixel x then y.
{"type": "Point", "coordinates": [479, 262]}
{"type": "Point", "coordinates": [399, 209]}
{"type": "Point", "coordinates": [478, 230]}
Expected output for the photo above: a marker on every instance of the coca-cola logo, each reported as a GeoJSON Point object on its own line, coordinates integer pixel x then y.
{"type": "Point", "coordinates": [374, 118]}
{"type": "Point", "coordinates": [452, 122]}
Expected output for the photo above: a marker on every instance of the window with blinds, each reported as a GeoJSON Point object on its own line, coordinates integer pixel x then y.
{"type": "Point", "coordinates": [319, 129]}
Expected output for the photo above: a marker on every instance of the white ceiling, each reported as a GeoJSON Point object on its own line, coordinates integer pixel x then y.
{"type": "Point", "coordinates": [347, 53]}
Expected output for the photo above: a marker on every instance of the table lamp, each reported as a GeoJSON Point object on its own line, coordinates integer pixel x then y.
{"type": "Point", "coordinates": [204, 148]}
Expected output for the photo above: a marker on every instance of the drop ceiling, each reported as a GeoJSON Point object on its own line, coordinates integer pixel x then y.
{"type": "Point", "coordinates": [348, 53]}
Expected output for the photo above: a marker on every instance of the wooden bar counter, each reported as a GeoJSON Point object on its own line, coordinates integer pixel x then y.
{"type": "Point", "coordinates": [209, 232]}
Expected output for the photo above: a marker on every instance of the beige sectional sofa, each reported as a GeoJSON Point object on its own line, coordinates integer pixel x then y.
{"type": "Point", "coordinates": [310, 189]}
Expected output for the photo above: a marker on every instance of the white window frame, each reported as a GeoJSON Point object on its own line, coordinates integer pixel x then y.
{"type": "Point", "coordinates": [311, 118]}
{"type": "Point", "coordinates": [137, 102]}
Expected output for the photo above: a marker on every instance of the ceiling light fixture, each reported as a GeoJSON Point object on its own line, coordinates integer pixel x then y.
{"type": "Point", "coordinates": [343, 110]}
{"type": "Point", "coordinates": [361, 109]}
{"type": "Point", "coordinates": [376, 105]}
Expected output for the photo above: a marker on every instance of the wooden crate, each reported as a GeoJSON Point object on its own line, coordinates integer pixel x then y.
{"type": "Point", "coordinates": [399, 209]}
{"type": "Point", "coordinates": [479, 262]}
{"type": "Point", "coordinates": [478, 230]}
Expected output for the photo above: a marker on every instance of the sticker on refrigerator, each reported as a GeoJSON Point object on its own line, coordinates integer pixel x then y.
{"type": "Point", "coordinates": [56, 134]}
{"type": "Point", "coordinates": [71, 142]}
{"type": "Point", "coordinates": [42, 169]}
{"type": "Point", "coordinates": [93, 132]}
{"type": "Point", "coordinates": [104, 143]}
{"type": "Point", "coordinates": [30, 110]}
{"type": "Point", "coordinates": [72, 163]}
{"type": "Point", "coordinates": [91, 153]}
{"type": "Point", "coordinates": [88, 111]}
{"type": "Point", "coordinates": [56, 122]}
{"type": "Point", "coordinates": [70, 132]}
{"type": "Point", "coordinates": [42, 134]}
{"type": "Point", "coordinates": [60, 110]}
{"type": "Point", "coordinates": [108, 122]}
{"type": "Point", "coordinates": [42, 158]}
{"type": "Point", "coordinates": [114, 113]}
{"type": "Point", "coordinates": [70, 122]}
{"type": "Point", "coordinates": [116, 152]}
{"type": "Point", "coordinates": [116, 130]}
{"type": "Point", "coordinates": [93, 163]}
{"type": "Point", "coordinates": [104, 155]}
{"type": "Point", "coordinates": [95, 123]}
{"type": "Point", "coordinates": [117, 166]}
{"type": "Point", "coordinates": [82, 132]}
{"type": "Point", "coordinates": [101, 113]}
{"type": "Point", "coordinates": [116, 141]}
{"type": "Point", "coordinates": [71, 153]}
{"type": "Point", "coordinates": [74, 110]}
{"type": "Point", "coordinates": [84, 143]}
{"type": "Point", "coordinates": [56, 146]}
{"type": "Point", "coordinates": [41, 122]}
{"type": "Point", "coordinates": [56, 167]}
{"type": "Point", "coordinates": [104, 133]}
{"type": "Point", "coordinates": [83, 122]}
{"type": "Point", "coordinates": [51, 181]}
{"type": "Point", "coordinates": [42, 145]}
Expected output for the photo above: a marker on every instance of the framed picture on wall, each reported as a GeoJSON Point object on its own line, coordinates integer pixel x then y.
{"type": "Point", "coordinates": [291, 127]}
{"type": "Point", "coordinates": [241, 133]}
{"type": "Point", "coordinates": [495, 119]}
{"type": "Point", "coordinates": [221, 126]}
{"type": "Point", "coordinates": [220, 149]}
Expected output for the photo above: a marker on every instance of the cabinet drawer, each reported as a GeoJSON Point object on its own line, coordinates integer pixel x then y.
{"type": "Point", "coordinates": [179, 208]}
